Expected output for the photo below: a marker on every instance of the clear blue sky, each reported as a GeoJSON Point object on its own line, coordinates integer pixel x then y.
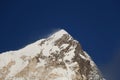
{"type": "Point", "coordinates": [95, 24]}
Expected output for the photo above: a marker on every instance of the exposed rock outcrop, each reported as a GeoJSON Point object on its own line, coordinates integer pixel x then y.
{"type": "Point", "coordinates": [58, 57]}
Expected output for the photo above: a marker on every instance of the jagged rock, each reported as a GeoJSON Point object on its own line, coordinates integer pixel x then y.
{"type": "Point", "coordinates": [58, 57]}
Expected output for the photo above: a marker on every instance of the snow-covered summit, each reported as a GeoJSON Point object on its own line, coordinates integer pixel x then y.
{"type": "Point", "coordinates": [61, 32]}
{"type": "Point", "coordinates": [58, 57]}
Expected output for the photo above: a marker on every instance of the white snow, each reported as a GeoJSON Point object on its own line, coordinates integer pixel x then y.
{"type": "Point", "coordinates": [63, 46]}
{"type": "Point", "coordinates": [31, 50]}
{"type": "Point", "coordinates": [5, 58]}
{"type": "Point", "coordinates": [58, 34]}
{"type": "Point", "coordinates": [70, 73]}
{"type": "Point", "coordinates": [41, 63]}
{"type": "Point", "coordinates": [63, 74]}
{"type": "Point", "coordinates": [19, 78]}
{"type": "Point", "coordinates": [69, 55]}
{"type": "Point", "coordinates": [54, 49]}
{"type": "Point", "coordinates": [89, 58]}
{"type": "Point", "coordinates": [62, 78]}
{"type": "Point", "coordinates": [47, 48]}
{"type": "Point", "coordinates": [73, 64]}
{"type": "Point", "coordinates": [82, 56]}
{"type": "Point", "coordinates": [19, 65]}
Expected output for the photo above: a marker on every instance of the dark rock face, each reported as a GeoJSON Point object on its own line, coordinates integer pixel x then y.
{"type": "Point", "coordinates": [59, 57]}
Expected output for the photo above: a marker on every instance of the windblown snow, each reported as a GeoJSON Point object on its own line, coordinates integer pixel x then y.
{"type": "Point", "coordinates": [58, 57]}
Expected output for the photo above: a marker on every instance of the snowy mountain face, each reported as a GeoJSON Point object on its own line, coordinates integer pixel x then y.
{"type": "Point", "coordinates": [58, 57]}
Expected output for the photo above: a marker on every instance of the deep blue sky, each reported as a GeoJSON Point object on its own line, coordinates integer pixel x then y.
{"type": "Point", "coordinates": [96, 24]}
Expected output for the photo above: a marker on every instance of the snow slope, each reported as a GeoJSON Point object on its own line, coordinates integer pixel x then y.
{"type": "Point", "coordinates": [58, 57]}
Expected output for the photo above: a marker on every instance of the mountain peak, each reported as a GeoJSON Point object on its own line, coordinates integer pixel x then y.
{"type": "Point", "coordinates": [63, 31]}
{"type": "Point", "coordinates": [60, 32]}
{"type": "Point", "coordinates": [58, 57]}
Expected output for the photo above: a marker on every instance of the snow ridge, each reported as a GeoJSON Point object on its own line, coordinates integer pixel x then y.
{"type": "Point", "coordinates": [58, 57]}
